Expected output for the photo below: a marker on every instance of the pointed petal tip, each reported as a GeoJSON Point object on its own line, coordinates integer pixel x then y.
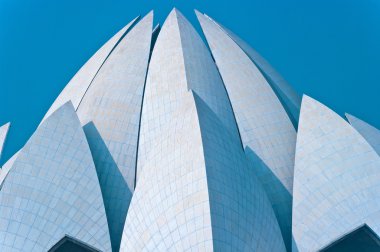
{"type": "Point", "coordinates": [149, 16]}
{"type": "Point", "coordinates": [197, 12]}
{"type": "Point", "coordinates": [309, 100]}
{"type": "Point", "coordinates": [350, 117]}
{"type": "Point", "coordinates": [200, 14]}
{"type": "Point", "coordinates": [131, 22]}
{"type": "Point", "coordinates": [135, 19]}
{"type": "Point", "coordinates": [150, 13]}
{"type": "Point", "coordinates": [157, 27]}
{"type": "Point", "coordinates": [145, 20]}
{"type": "Point", "coordinates": [175, 13]}
{"type": "Point", "coordinates": [305, 97]}
{"type": "Point", "coordinates": [174, 10]}
{"type": "Point", "coordinates": [201, 17]}
{"type": "Point", "coordinates": [172, 15]}
{"type": "Point", "coordinates": [68, 104]}
{"type": "Point", "coordinates": [6, 126]}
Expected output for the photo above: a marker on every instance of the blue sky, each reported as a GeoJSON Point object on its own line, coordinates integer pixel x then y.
{"type": "Point", "coordinates": [328, 49]}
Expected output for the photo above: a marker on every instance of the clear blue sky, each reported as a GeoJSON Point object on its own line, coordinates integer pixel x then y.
{"type": "Point", "coordinates": [328, 49]}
